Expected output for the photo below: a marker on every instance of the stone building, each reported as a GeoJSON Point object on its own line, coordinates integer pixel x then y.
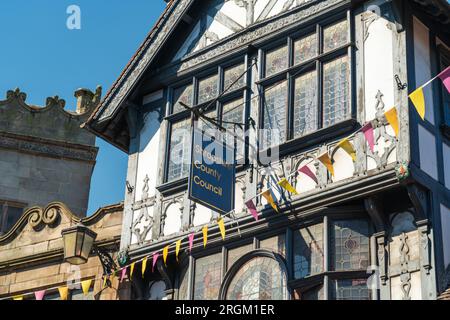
{"type": "Point", "coordinates": [44, 154]}
{"type": "Point", "coordinates": [317, 70]}
{"type": "Point", "coordinates": [32, 254]}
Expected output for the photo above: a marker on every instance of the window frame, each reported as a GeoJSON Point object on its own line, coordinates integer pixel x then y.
{"type": "Point", "coordinates": [4, 228]}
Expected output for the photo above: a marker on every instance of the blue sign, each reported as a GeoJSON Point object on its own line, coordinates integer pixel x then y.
{"type": "Point", "coordinates": [212, 176]}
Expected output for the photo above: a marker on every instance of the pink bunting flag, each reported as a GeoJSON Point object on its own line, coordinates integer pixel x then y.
{"type": "Point", "coordinates": [368, 133]}
{"type": "Point", "coordinates": [124, 273]}
{"type": "Point", "coordinates": [191, 241]}
{"type": "Point", "coordinates": [252, 208]}
{"type": "Point", "coordinates": [445, 77]}
{"type": "Point", "coordinates": [155, 259]}
{"type": "Point", "coordinates": [39, 295]}
{"type": "Point", "coordinates": [306, 170]}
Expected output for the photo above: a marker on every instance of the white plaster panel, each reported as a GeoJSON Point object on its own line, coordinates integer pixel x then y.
{"type": "Point", "coordinates": [172, 223]}
{"type": "Point", "coordinates": [202, 215]}
{"type": "Point", "coordinates": [305, 183]}
{"type": "Point", "coordinates": [445, 224]}
{"type": "Point", "coordinates": [427, 149]}
{"type": "Point", "coordinates": [416, 289]}
{"type": "Point", "coordinates": [343, 165]}
{"type": "Point", "coordinates": [446, 156]}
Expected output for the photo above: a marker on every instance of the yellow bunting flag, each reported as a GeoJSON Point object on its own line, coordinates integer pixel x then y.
{"type": "Point", "coordinates": [131, 270]}
{"type": "Point", "coordinates": [418, 99]}
{"type": "Point", "coordinates": [221, 224]}
{"type": "Point", "coordinates": [284, 183]}
{"type": "Point", "coordinates": [86, 285]}
{"type": "Point", "coordinates": [348, 147]}
{"type": "Point", "coordinates": [63, 293]}
{"type": "Point", "coordinates": [165, 254]}
{"type": "Point", "coordinates": [268, 196]}
{"type": "Point", "coordinates": [392, 118]}
{"type": "Point", "coordinates": [18, 298]}
{"type": "Point", "coordinates": [144, 266]}
{"type": "Point", "coordinates": [326, 161]}
{"type": "Point", "coordinates": [177, 248]}
{"type": "Point", "coordinates": [205, 236]}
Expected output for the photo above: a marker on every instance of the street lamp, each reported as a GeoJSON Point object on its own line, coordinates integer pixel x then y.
{"type": "Point", "coordinates": [78, 242]}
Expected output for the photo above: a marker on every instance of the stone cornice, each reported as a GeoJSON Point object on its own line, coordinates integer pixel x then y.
{"type": "Point", "coordinates": [48, 148]}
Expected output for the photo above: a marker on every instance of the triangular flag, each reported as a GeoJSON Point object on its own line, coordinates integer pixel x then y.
{"type": "Point", "coordinates": [268, 196]}
{"type": "Point", "coordinates": [252, 208]}
{"type": "Point", "coordinates": [326, 161]}
{"type": "Point", "coordinates": [155, 259]}
{"type": "Point", "coordinates": [144, 266]}
{"type": "Point", "coordinates": [191, 241]}
{"type": "Point", "coordinates": [221, 224]}
{"type": "Point", "coordinates": [63, 293]}
{"type": "Point", "coordinates": [348, 147]}
{"type": "Point", "coordinates": [418, 99]}
{"type": "Point", "coordinates": [124, 273]}
{"type": "Point", "coordinates": [132, 270]}
{"type": "Point", "coordinates": [86, 285]}
{"type": "Point", "coordinates": [165, 254]}
{"type": "Point", "coordinates": [177, 248]}
{"type": "Point", "coordinates": [306, 170]}
{"type": "Point", "coordinates": [392, 118]}
{"type": "Point", "coordinates": [18, 298]}
{"type": "Point", "coordinates": [105, 278]}
{"type": "Point", "coordinates": [445, 77]}
{"type": "Point", "coordinates": [39, 295]}
{"type": "Point", "coordinates": [205, 236]}
{"type": "Point", "coordinates": [284, 183]}
{"type": "Point", "coordinates": [368, 134]}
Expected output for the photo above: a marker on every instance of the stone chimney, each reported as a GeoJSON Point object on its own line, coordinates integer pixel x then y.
{"type": "Point", "coordinates": [84, 100]}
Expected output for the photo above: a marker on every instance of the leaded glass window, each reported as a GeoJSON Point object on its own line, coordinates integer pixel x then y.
{"type": "Point", "coordinates": [179, 150]}
{"type": "Point", "coordinates": [206, 125]}
{"type": "Point", "coordinates": [336, 105]}
{"type": "Point", "coordinates": [305, 49]}
{"type": "Point", "coordinates": [234, 112]}
{"type": "Point", "coordinates": [355, 289]}
{"type": "Point", "coordinates": [275, 104]}
{"type": "Point", "coordinates": [259, 279]}
{"type": "Point", "coordinates": [305, 104]}
{"type": "Point", "coordinates": [350, 245]}
{"type": "Point", "coordinates": [276, 60]}
{"type": "Point", "coordinates": [275, 244]}
{"type": "Point", "coordinates": [236, 253]}
{"type": "Point", "coordinates": [208, 89]}
{"type": "Point", "coordinates": [182, 94]}
{"type": "Point", "coordinates": [308, 251]}
{"type": "Point", "coordinates": [231, 75]}
{"type": "Point", "coordinates": [335, 36]}
{"type": "Point", "coordinates": [208, 277]}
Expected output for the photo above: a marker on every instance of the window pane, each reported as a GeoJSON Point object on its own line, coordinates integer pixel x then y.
{"type": "Point", "coordinates": [308, 251]}
{"type": "Point", "coordinates": [350, 290]}
{"type": "Point", "coordinates": [259, 279]}
{"type": "Point", "coordinates": [336, 107]}
{"type": "Point", "coordinates": [208, 89]}
{"type": "Point", "coordinates": [276, 244]}
{"type": "Point", "coordinates": [207, 277]}
{"type": "Point", "coordinates": [276, 60]}
{"type": "Point", "coordinates": [206, 125]}
{"type": "Point", "coordinates": [316, 293]}
{"type": "Point", "coordinates": [274, 109]}
{"type": "Point", "coordinates": [305, 49]}
{"type": "Point", "coordinates": [234, 112]}
{"type": "Point", "coordinates": [179, 150]}
{"type": "Point", "coordinates": [182, 94]}
{"type": "Point", "coordinates": [231, 75]}
{"type": "Point", "coordinates": [236, 253]}
{"type": "Point", "coordinates": [350, 245]}
{"type": "Point", "coordinates": [335, 36]}
{"type": "Point", "coordinates": [305, 104]}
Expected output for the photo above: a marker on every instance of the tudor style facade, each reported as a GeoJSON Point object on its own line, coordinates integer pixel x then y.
{"type": "Point", "coordinates": [317, 71]}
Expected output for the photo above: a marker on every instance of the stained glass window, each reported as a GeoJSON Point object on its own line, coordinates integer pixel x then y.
{"type": "Point", "coordinates": [276, 60]}
{"type": "Point", "coordinates": [259, 279]}
{"type": "Point", "coordinates": [275, 244]}
{"type": "Point", "coordinates": [305, 104]}
{"type": "Point", "coordinates": [335, 36]}
{"type": "Point", "coordinates": [206, 125]}
{"type": "Point", "coordinates": [305, 48]}
{"type": "Point", "coordinates": [207, 277]}
{"type": "Point", "coordinates": [350, 245]}
{"type": "Point", "coordinates": [234, 112]}
{"type": "Point", "coordinates": [308, 251]}
{"type": "Point", "coordinates": [231, 75]}
{"type": "Point", "coordinates": [182, 94]}
{"type": "Point", "coordinates": [336, 91]}
{"type": "Point", "coordinates": [236, 253]}
{"type": "Point", "coordinates": [208, 89]}
{"type": "Point", "coordinates": [179, 150]}
{"type": "Point", "coordinates": [274, 109]}
{"type": "Point", "coordinates": [350, 290]}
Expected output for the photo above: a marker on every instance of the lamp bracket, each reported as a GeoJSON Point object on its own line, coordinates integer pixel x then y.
{"type": "Point", "coordinates": [106, 260]}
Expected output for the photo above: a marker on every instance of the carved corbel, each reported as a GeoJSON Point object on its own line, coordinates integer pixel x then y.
{"type": "Point", "coordinates": [165, 274]}
{"type": "Point", "coordinates": [374, 207]}
{"type": "Point", "coordinates": [380, 239]}
{"type": "Point", "coordinates": [419, 199]}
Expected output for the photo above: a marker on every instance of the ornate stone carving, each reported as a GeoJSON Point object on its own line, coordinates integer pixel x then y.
{"type": "Point", "coordinates": [40, 218]}
{"type": "Point", "coordinates": [16, 94]}
{"type": "Point", "coordinates": [144, 221]}
{"type": "Point", "coordinates": [405, 276]}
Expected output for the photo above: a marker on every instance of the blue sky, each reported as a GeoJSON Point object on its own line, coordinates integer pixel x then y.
{"type": "Point", "coordinates": [44, 58]}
